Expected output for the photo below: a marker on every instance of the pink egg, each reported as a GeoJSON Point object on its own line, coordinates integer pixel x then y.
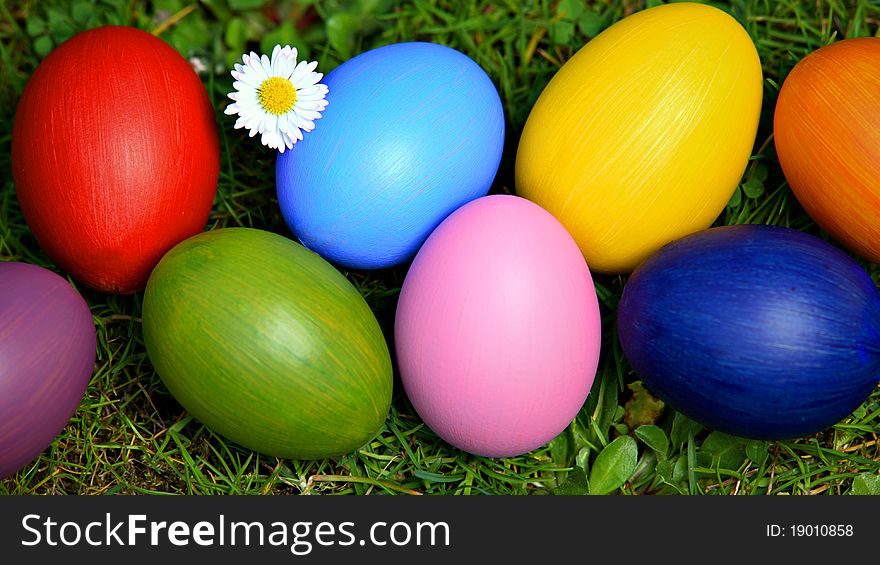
{"type": "Point", "coordinates": [497, 330]}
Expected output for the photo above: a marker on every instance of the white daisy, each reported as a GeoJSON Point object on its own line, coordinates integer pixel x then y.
{"type": "Point", "coordinates": [277, 98]}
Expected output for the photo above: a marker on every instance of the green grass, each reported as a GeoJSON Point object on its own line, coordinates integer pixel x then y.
{"type": "Point", "coordinates": [130, 436]}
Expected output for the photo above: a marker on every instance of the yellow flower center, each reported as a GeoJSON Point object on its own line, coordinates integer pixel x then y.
{"type": "Point", "coordinates": [277, 95]}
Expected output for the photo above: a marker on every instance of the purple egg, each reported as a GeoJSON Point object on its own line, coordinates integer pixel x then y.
{"type": "Point", "coordinates": [47, 352]}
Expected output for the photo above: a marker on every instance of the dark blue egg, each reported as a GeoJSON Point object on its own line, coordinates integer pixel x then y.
{"type": "Point", "coordinates": [412, 131]}
{"type": "Point", "coordinates": [757, 331]}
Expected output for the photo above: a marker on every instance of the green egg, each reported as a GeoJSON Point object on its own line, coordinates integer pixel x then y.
{"type": "Point", "coordinates": [267, 344]}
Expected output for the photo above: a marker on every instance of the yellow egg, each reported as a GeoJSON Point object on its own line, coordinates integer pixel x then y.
{"type": "Point", "coordinates": [643, 135]}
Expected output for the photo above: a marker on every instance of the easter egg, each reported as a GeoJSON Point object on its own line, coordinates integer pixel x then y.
{"type": "Point", "coordinates": [497, 329]}
{"type": "Point", "coordinates": [115, 155]}
{"type": "Point", "coordinates": [827, 134]}
{"type": "Point", "coordinates": [758, 331]}
{"type": "Point", "coordinates": [267, 344]}
{"type": "Point", "coordinates": [643, 135]}
{"type": "Point", "coordinates": [411, 132]}
{"type": "Point", "coordinates": [47, 353]}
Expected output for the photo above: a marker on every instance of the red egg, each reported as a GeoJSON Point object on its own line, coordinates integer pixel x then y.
{"type": "Point", "coordinates": [115, 155]}
{"type": "Point", "coordinates": [827, 133]}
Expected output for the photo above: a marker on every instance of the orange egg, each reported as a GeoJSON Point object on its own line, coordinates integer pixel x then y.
{"type": "Point", "coordinates": [827, 132]}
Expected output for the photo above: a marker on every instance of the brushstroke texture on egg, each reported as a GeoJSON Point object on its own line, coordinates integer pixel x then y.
{"type": "Point", "coordinates": [115, 155]}
{"type": "Point", "coordinates": [497, 329]}
{"type": "Point", "coordinates": [643, 135]}
{"type": "Point", "coordinates": [47, 353]}
{"type": "Point", "coordinates": [827, 135]}
{"type": "Point", "coordinates": [758, 331]}
{"type": "Point", "coordinates": [267, 344]}
{"type": "Point", "coordinates": [412, 131]}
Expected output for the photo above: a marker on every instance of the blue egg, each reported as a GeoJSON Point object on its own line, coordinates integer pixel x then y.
{"type": "Point", "coordinates": [757, 331]}
{"type": "Point", "coordinates": [412, 132]}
